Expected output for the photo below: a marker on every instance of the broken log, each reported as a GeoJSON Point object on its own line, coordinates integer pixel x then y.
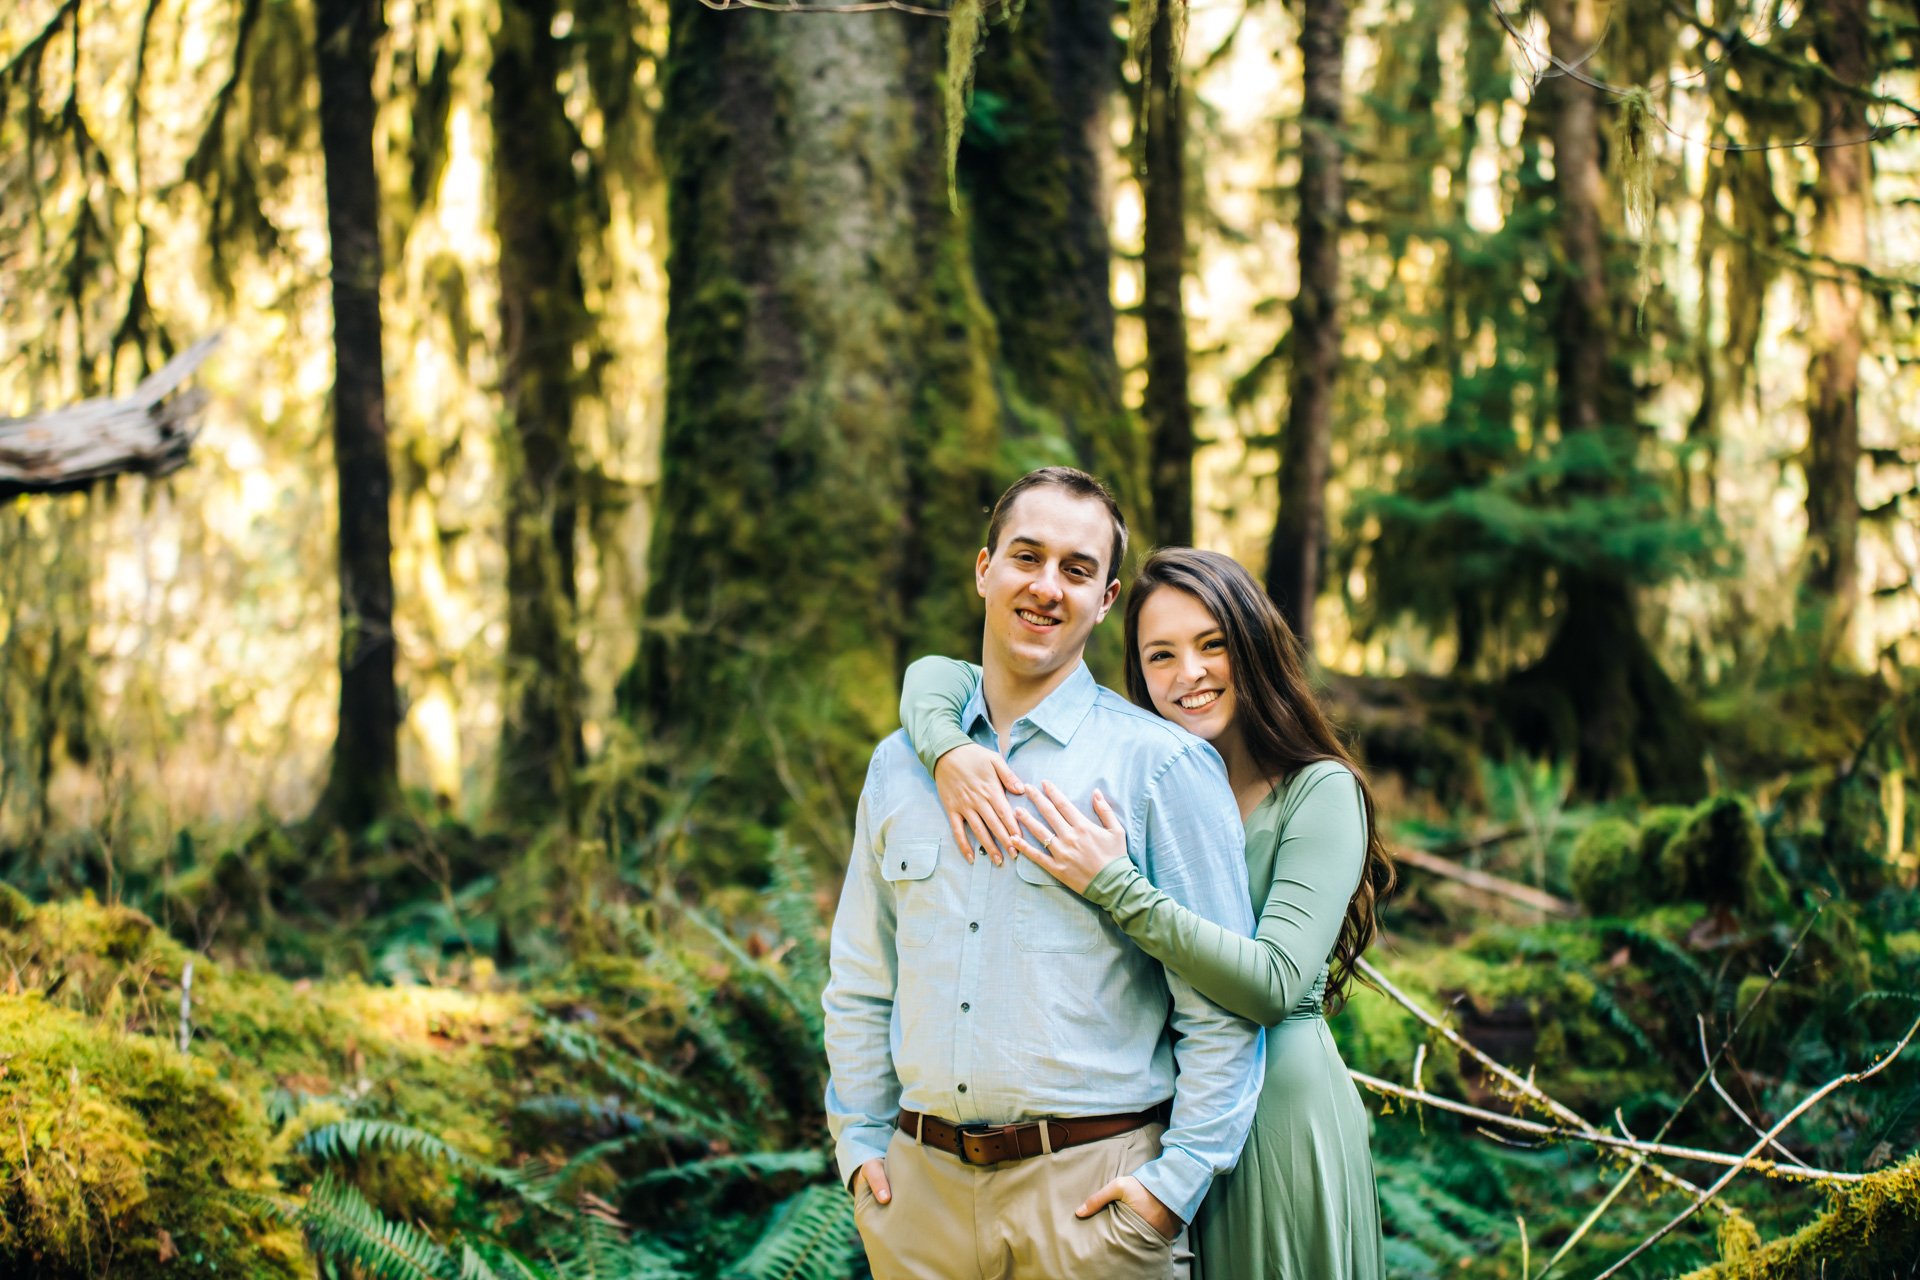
{"type": "Point", "coordinates": [148, 432]}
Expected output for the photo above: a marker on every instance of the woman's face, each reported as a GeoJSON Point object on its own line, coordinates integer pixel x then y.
{"type": "Point", "coordinates": [1183, 654]}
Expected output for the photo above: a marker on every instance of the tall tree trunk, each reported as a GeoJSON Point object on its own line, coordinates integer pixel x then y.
{"type": "Point", "coordinates": [364, 779]}
{"type": "Point", "coordinates": [1833, 374]}
{"type": "Point", "coordinates": [1598, 687]}
{"type": "Point", "coordinates": [542, 318]}
{"type": "Point", "coordinates": [1039, 204]}
{"type": "Point", "coordinates": [831, 423]}
{"type": "Point", "coordinates": [1298, 545]}
{"type": "Point", "coordinates": [1168, 404]}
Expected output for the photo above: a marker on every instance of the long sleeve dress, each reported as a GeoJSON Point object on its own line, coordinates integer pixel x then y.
{"type": "Point", "coordinates": [1301, 1204]}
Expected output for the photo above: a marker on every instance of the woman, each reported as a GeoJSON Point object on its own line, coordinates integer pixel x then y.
{"type": "Point", "coordinates": [1207, 650]}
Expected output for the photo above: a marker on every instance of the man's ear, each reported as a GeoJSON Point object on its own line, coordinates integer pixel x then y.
{"type": "Point", "coordinates": [980, 571]}
{"type": "Point", "coordinates": [1106, 601]}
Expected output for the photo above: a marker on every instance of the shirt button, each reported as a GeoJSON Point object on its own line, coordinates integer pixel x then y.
{"type": "Point", "coordinates": [903, 866]}
{"type": "Point", "coordinates": [963, 1088]}
{"type": "Point", "coordinates": [974, 925]}
{"type": "Point", "coordinates": [964, 1006]}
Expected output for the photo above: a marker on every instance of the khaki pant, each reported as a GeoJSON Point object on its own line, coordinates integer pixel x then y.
{"type": "Point", "coordinates": [1013, 1221]}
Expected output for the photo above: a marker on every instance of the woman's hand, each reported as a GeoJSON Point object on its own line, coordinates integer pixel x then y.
{"type": "Point", "coordinates": [1069, 844]}
{"type": "Point", "coordinates": [974, 783]}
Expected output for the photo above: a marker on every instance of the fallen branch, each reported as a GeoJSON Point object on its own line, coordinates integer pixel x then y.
{"type": "Point", "coordinates": [1525, 895]}
{"type": "Point", "coordinates": [148, 432]}
{"type": "Point", "coordinates": [1572, 1121]}
{"type": "Point", "coordinates": [1600, 1138]}
{"type": "Point", "coordinates": [1748, 1162]}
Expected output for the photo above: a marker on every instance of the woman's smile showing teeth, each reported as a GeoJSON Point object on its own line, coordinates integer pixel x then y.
{"type": "Point", "coordinates": [1196, 701]}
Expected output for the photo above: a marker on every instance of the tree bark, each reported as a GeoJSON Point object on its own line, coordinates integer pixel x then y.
{"type": "Point", "coordinates": [542, 320]}
{"type": "Point", "coordinates": [1840, 200]}
{"type": "Point", "coordinates": [363, 782]}
{"type": "Point", "coordinates": [1298, 546]}
{"type": "Point", "coordinates": [1598, 688]}
{"type": "Point", "coordinates": [1039, 203]}
{"type": "Point", "coordinates": [1168, 404]}
{"type": "Point", "coordinates": [832, 426]}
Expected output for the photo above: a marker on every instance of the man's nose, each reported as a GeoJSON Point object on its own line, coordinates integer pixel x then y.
{"type": "Point", "coordinates": [1046, 584]}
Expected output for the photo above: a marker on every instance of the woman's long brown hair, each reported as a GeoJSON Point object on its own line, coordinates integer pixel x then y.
{"type": "Point", "coordinates": [1280, 720]}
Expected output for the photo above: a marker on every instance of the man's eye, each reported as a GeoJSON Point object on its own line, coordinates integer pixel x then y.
{"type": "Point", "coordinates": [1077, 572]}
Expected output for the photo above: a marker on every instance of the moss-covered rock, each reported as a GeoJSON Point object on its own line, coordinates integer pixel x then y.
{"type": "Point", "coordinates": [1719, 856]}
{"type": "Point", "coordinates": [133, 1159]}
{"type": "Point", "coordinates": [1608, 870]}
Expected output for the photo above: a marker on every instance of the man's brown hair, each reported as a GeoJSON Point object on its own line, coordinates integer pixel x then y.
{"type": "Point", "coordinates": [1080, 485]}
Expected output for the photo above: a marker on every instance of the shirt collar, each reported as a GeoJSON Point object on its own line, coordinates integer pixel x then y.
{"type": "Point", "coordinates": [1059, 714]}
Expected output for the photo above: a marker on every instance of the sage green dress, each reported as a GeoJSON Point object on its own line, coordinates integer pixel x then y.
{"type": "Point", "coordinates": [1301, 1203]}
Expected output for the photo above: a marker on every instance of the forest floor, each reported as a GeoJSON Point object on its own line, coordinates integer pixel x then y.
{"type": "Point", "coordinates": [434, 1053]}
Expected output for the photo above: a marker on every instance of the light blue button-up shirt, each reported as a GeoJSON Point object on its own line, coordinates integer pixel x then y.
{"type": "Point", "coordinates": [989, 995]}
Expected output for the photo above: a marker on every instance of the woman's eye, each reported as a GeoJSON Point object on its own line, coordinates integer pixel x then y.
{"type": "Point", "coordinates": [1155, 657]}
{"type": "Point", "coordinates": [1216, 644]}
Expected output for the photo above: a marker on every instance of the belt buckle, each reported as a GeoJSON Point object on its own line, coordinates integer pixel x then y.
{"type": "Point", "coordinates": [981, 1134]}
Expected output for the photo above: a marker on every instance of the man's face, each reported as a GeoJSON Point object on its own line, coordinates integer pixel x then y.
{"type": "Point", "coordinates": [1047, 583]}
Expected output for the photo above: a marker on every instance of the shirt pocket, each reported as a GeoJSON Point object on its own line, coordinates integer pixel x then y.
{"type": "Point", "coordinates": [1050, 917]}
{"type": "Point", "coordinates": [908, 865]}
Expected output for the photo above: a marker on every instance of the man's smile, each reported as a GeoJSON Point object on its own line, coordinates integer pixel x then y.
{"type": "Point", "coordinates": [1033, 619]}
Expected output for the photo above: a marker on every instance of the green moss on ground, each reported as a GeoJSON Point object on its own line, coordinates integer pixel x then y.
{"type": "Point", "coordinates": [140, 1160]}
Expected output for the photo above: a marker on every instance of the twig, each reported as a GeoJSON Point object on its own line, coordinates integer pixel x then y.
{"type": "Point", "coordinates": [1571, 1119]}
{"type": "Point", "coordinates": [1713, 1079]}
{"type": "Point", "coordinates": [186, 1006]}
{"type": "Point", "coordinates": [1747, 1161]}
{"type": "Point", "coordinates": [1525, 895]}
{"type": "Point", "coordinates": [1606, 1201]}
{"type": "Point", "coordinates": [1600, 1138]}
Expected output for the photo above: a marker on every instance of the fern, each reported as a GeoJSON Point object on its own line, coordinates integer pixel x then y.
{"type": "Point", "coordinates": [341, 1224]}
{"type": "Point", "coordinates": [759, 1164]}
{"type": "Point", "coordinates": [810, 1237]}
{"type": "Point", "coordinates": [704, 1022]}
{"type": "Point", "coordinates": [805, 1005]}
{"type": "Point", "coordinates": [792, 893]}
{"type": "Point", "coordinates": [599, 1248]}
{"type": "Point", "coordinates": [641, 1080]}
{"type": "Point", "coordinates": [351, 1137]}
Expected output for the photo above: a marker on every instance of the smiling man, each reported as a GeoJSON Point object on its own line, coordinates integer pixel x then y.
{"type": "Point", "coordinates": [1001, 1055]}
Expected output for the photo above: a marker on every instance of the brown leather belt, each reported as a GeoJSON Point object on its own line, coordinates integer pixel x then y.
{"type": "Point", "coordinates": [999, 1143]}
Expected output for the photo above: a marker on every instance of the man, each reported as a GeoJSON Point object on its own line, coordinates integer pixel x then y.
{"type": "Point", "coordinates": [1000, 1052]}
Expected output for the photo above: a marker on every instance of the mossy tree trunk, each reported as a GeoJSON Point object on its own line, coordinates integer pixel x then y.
{"type": "Point", "coordinates": [1167, 405]}
{"type": "Point", "coordinates": [1298, 545]}
{"type": "Point", "coordinates": [1833, 374]}
{"type": "Point", "coordinates": [831, 423]}
{"type": "Point", "coordinates": [542, 320]}
{"type": "Point", "coordinates": [1033, 169]}
{"type": "Point", "coordinates": [363, 782]}
{"type": "Point", "coordinates": [1598, 688]}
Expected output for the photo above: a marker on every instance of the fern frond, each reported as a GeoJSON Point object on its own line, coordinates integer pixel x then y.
{"type": "Point", "coordinates": [759, 1164]}
{"type": "Point", "coordinates": [347, 1138]}
{"type": "Point", "coordinates": [707, 1028]}
{"type": "Point", "coordinates": [640, 1080]}
{"type": "Point", "coordinates": [810, 1237]}
{"type": "Point", "coordinates": [339, 1223]}
{"type": "Point", "coordinates": [791, 894]}
{"type": "Point", "coordinates": [600, 1249]}
{"type": "Point", "coordinates": [804, 1005]}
